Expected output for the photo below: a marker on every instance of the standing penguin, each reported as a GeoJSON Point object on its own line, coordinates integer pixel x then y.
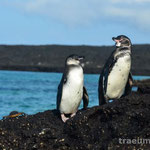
{"type": "Point", "coordinates": [115, 79]}
{"type": "Point", "coordinates": [71, 89]}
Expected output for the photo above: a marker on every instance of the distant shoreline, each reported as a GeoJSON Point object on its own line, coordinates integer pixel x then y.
{"type": "Point", "coordinates": [51, 58]}
{"type": "Point", "coordinates": [60, 70]}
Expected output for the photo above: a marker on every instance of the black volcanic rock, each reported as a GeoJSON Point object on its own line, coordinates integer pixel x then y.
{"type": "Point", "coordinates": [144, 90]}
{"type": "Point", "coordinates": [97, 128]}
{"type": "Point", "coordinates": [143, 86]}
{"type": "Point", "coordinates": [145, 82]}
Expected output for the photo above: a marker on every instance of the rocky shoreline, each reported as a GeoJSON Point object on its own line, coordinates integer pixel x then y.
{"type": "Point", "coordinates": [97, 128]}
{"type": "Point", "coordinates": [51, 58]}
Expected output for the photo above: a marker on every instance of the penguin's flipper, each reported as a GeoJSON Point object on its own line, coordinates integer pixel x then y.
{"type": "Point", "coordinates": [85, 98]}
{"type": "Point", "coordinates": [129, 84]}
{"type": "Point", "coordinates": [104, 77]}
{"type": "Point", "coordinates": [59, 92]}
{"type": "Point", "coordinates": [60, 87]}
{"type": "Point", "coordinates": [101, 91]}
{"type": "Point", "coordinates": [107, 69]}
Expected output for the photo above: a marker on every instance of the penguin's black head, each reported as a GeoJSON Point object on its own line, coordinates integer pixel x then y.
{"type": "Point", "coordinates": [122, 41]}
{"type": "Point", "coordinates": [74, 59]}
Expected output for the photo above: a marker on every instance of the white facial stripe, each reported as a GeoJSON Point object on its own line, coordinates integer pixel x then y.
{"type": "Point", "coordinates": [118, 44]}
{"type": "Point", "coordinates": [73, 62]}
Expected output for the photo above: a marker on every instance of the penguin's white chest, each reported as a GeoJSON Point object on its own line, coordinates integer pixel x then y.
{"type": "Point", "coordinates": [118, 77]}
{"type": "Point", "coordinates": [72, 91]}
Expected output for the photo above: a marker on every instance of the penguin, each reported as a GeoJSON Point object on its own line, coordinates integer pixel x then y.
{"type": "Point", "coordinates": [116, 79]}
{"type": "Point", "coordinates": [71, 89]}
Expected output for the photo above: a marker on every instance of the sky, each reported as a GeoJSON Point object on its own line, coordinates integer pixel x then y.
{"type": "Point", "coordinates": [73, 22]}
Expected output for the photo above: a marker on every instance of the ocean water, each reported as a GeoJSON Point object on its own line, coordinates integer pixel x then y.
{"type": "Point", "coordinates": [32, 92]}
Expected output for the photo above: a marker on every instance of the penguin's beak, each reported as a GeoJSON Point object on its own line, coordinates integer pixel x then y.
{"type": "Point", "coordinates": [81, 58]}
{"type": "Point", "coordinates": [116, 39]}
{"type": "Point", "coordinates": [113, 38]}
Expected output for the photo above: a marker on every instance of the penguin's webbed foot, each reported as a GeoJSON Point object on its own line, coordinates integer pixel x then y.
{"type": "Point", "coordinates": [64, 118]}
{"type": "Point", "coordinates": [72, 115]}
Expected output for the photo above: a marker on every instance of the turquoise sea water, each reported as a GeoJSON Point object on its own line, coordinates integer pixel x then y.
{"type": "Point", "coordinates": [33, 92]}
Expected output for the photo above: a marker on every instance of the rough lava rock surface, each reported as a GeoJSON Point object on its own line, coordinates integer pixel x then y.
{"type": "Point", "coordinates": [97, 128]}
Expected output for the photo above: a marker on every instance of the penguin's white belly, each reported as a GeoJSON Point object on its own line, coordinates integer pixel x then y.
{"type": "Point", "coordinates": [72, 92]}
{"type": "Point", "coordinates": [118, 77]}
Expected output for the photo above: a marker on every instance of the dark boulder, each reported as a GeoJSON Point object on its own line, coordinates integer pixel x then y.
{"type": "Point", "coordinates": [143, 83]}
